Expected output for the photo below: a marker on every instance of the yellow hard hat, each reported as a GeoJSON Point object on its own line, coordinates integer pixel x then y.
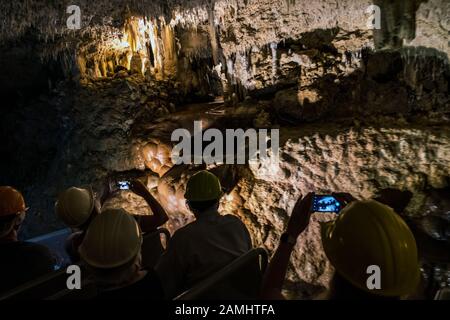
{"type": "Point", "coordinates": [203, 186]}
{"type": "Point", "coordinates": [112, 239]}
{"type": "Point", "coordinates": [11, 201]}
{"type": "Point", "coordinates": [370, 233]}
{"type": "Point", "coordinates": [74, 206]}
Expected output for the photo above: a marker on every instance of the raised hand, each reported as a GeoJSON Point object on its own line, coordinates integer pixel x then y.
{"type": "Point", "coordinates": [139, 188]}
{"type": "Point", "coordinates": [343, 198]}
{"type": "Point", "coordinates": [300, 216]}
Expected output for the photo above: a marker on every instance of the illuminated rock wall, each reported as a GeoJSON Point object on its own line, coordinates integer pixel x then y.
{"type": "Point", "coordinates": [361, 160]}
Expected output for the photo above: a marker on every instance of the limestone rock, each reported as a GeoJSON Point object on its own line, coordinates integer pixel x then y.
{"type": "Point", "coordinates": [157, 157]}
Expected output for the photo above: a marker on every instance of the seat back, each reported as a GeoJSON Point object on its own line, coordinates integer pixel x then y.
{"type": "Point", "coordinates": [38, 288]}
{"type": "Point", "coordinates": [88, 291]}
{"type": "Point", "coordinates": [240, 280]}
{"type": "Point", "coordinates": [443, 294]}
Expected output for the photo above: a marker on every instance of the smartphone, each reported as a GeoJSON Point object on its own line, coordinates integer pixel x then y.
{"type": "Point", "coordinates": [325, 203]}
{"type": "Point", "coordinates": [123, 185]}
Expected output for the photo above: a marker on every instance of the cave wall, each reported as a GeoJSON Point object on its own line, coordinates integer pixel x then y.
{"type": "Point", "coordinates": [240, 37]}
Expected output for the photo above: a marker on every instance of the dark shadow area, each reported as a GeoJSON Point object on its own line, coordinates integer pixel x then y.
{"type": "Point", "coordinates": [398, 22]}
{"type": "Point", "coordinates": [31, 124]}
{"type": "Point", "coordinates": [407, 82]}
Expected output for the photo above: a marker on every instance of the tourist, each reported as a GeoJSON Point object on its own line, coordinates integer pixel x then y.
{"type": "Point", "coordinates": [365, 235]}
{"type": "Point", "coordinates": [21, 261]}
{"type": "Point", "coordinates": [206, 245]}
{"type": "Point", "coordinates": [77, 207]}
{"type": "Point", "coordinates": [111, 253]}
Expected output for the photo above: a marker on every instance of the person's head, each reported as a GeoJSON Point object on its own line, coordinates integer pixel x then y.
{"type": "Point", "coordinates": [203, 192]}
{"type": "Point", "coordinates": [111, 248]}
{"type": "Point", "coordinates": [373, 252]}
{"type": "Point", "coordinates": [75, 207]}
{"type": "Point", "coordinates": [12, 212]}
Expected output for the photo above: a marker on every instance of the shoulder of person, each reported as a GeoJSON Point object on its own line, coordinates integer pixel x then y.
{"type": "Point", "coordinates": [38, 250]}
{"type": "Point", "coordinates": [180, 234]}
{"type": "Point", "coordinates": [232, 218]}
{"type": "Point", "coordinates": [75, 236]}
{"type": "Point", "coordinates": [236, 222]}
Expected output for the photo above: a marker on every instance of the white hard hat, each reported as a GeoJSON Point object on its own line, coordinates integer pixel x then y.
{"type": "Point", "coordinates": [112, 239]}
{"type": "Point", "coordinates": [74, 206]}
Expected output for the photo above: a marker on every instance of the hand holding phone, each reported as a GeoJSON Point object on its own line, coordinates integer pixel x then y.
{"type": "Point", "coordinates": [139, 188]}
{"type": "Point", "coordinates": [123, 185]}
{"type": "Point", "coordinates": [325, 203]}
{"type": "Point", "coordinates": [300, 216]}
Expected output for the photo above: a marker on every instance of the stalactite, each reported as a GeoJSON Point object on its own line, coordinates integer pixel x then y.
{"type": "Point", "coordinates": [213, 35]}
{"type": "Point", "coordinates": [273, 48]}
{"type": "Point", "coordinates": [170, 55]}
